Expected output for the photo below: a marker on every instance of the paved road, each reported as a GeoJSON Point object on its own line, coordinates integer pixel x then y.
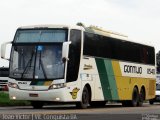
{"type": "Point", "coordinates": [110, 111]}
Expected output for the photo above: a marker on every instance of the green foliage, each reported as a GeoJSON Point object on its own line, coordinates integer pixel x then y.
{"type": "Point", "coordinates": [5, 101]}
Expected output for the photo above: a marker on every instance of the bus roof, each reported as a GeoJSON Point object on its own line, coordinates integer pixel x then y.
{"type": "Point", "coordinates": [96, 30]}
{"type": "Point", "coordinates": [51, 26]}
{"type": "Point", "coordinates": [91, 29]}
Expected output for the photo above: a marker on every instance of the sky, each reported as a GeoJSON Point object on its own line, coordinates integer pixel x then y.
{"type": "Point", "coordinates": [138, 19]}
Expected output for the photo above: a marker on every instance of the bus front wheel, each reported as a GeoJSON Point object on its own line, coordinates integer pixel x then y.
{"type": "Point", "coordinates": [85, 99]}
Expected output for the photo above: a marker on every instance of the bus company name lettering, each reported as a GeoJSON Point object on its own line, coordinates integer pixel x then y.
{"type": "Point", "coordinates": [132, 69]}
{"type": "Point", "coordinates": [137, 70]}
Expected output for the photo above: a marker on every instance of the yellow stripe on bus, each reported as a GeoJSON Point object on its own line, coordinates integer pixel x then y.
{"type": "Point", "coordinates": [122, 82]}
{"type": "Point", "coordinates": [116, 68]}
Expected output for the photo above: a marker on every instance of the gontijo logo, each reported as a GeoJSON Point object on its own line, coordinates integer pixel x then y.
{"type": "Point", "coordinates": [137, 70]}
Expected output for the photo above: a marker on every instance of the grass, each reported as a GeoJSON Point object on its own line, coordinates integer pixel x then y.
{"type": "Point", "coordinates": [5, 101]}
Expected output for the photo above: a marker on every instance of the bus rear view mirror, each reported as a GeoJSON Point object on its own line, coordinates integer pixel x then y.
{"type": "Point", "coordinates": [65, 51]}
{"type": "Point", "coordinates": [5, 55]}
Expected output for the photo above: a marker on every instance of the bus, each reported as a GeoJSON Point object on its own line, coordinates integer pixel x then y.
{"type": "Point", "coordinates": [86, 66]}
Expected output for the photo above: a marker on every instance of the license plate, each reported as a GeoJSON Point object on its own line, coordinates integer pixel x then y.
{"type": "Point", "coordinates": [33, 95]}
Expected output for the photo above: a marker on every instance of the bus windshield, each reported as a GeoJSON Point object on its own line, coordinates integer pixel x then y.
{"type": "Point", "coordinates": [37, 53]}
{"type": "Point", "coordinates": [37, 62]}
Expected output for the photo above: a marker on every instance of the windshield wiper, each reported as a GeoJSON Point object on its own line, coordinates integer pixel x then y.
{"type": "Point", "coordinates": [29, 63]}
{"type": "Point", "coordinates": [42, 65]}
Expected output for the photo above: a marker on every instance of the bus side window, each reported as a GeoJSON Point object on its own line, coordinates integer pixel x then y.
{"type": "Point", "coordinates": [144, 58]}
{"type": "Point", "coordinates": [74, 55]}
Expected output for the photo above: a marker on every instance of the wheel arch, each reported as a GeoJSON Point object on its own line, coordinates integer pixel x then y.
{"type": "Point", "coordinates": [136, 86]}
{"type": "Point", "coordinates": [85, 98]}
{"type": "Point", "coordinates": [89, 90]}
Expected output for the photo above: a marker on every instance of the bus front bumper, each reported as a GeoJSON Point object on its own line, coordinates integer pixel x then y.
{"type": "Point", "coordinates": [57, 95]}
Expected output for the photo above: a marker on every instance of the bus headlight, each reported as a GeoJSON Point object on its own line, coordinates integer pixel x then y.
{"type": "Point", "coordinates": [13, 85]}
{"type": "Point", "coordinates": [57, 86]}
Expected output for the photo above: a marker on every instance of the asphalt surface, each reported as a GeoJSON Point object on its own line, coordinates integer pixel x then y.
{"type": "Point", "coordinates": [63, 112]}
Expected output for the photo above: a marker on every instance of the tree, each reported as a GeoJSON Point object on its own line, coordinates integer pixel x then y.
{"type": "Point", "coordinates": [158, 62]}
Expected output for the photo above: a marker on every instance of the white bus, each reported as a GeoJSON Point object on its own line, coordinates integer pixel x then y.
{"type": "Point", "coordinates": [74, 64]}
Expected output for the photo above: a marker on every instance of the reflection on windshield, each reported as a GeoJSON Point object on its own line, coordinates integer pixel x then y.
{"type": "Point", "coordinates": [37, 62]}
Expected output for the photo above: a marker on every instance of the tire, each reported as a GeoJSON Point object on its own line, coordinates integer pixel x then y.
{"type": "Point", "coordinates": [135, 97]}
{"type": "Point", "coordinates": [37, 104]}
{"type": "Point", "coordinates": [98, 103]}
{"type": "Point", "coordinates": [151, 102]}
{"type": "Point", "coordinates": [85, 99]}
{"type": "Point", "coordinates": [141, 97]}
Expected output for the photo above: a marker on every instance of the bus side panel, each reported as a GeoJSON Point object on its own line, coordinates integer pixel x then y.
{"type": "Point", "coordinates": [107, 79]}
{"type": "Point", "coordinates": [107, 82]}
{"type": "Point", "coordinates": [89, 75]}
{"type": "Point", "coordinates": [125, 84]}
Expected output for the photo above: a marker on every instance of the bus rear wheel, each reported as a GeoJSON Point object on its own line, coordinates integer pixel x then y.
{"type": "Point", "coordinates": [141, 97]}
{"type": "Point", "coordinates": [85, 99]}
{"type": "Point", "coordinates": [135, 97]}
{"type": "Point", "coordinates": [37, 104]}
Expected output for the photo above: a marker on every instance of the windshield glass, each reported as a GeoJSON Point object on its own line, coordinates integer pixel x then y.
{"type": "Point", "coordinates": [37, 62]}
{"type": "Point", "coordinates": [34, 36]}
{"type": "Point", "coordinates": [158, 87]}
